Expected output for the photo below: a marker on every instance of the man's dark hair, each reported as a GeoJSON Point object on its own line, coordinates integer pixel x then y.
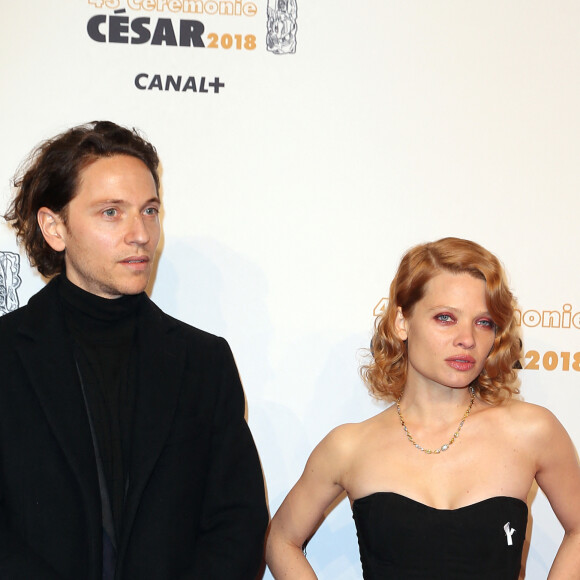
{"type": "Point", "coordinates": [50, 178]}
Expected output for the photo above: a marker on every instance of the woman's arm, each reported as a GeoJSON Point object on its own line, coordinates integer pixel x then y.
{"type": "Point", "coordinates": [304, 507]}
{"type": "Point", "coordinates": [558, 475]}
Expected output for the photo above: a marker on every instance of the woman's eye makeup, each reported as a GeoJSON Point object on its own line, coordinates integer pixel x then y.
{"type": "Point", "coordinates": [445, 317]}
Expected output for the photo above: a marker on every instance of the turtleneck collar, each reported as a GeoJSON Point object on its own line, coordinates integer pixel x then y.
{"type": "Point", "coordinates": [103, 310]}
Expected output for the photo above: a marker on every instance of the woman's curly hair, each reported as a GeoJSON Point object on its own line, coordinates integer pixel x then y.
{"type": "Point", "coordinates": [386, 372]}
{"type": "Point", "coordinates": [50, 177]}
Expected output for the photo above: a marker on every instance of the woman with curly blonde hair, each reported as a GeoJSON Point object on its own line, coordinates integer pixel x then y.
{"type": "Point", "coordinates": [438, 482]}
{"type": "Point", "coordinates": [386, 374]}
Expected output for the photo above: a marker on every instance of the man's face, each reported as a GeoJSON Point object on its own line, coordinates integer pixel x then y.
{"type": "Point", "coordinates": [112, 227]}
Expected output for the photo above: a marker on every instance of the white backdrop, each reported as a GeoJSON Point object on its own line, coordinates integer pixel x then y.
{"type": "Point", "coordinates": [291, 191]}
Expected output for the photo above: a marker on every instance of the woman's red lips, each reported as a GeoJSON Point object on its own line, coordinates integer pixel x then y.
{"type": "Point", "coordinates": [461, 362]}
{"type": "Point", "coordinates": [462, 357]}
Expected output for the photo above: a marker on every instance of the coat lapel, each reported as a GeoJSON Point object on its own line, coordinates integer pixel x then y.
{"type": "Point", "coordinates": [160, 368]}
{"type": "Point", "coordinates": [45, 348]}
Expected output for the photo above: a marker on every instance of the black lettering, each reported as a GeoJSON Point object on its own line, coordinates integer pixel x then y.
{"type": "Point", "coordinates": [202, 88]}
{"type": "Point", "coordinates": [139, 26]}
{"type": "Point", "coordinates": [175, 83]}
{"type": "Point", "coordinates": [156, 83]}
{"type": "Point", "coordinates": [93, 28]}
{"type": "Point", "coordinates": [190, 85]}
{"type": "Point", "coordinates": [190, 32]}
{"type": "Point", "coordinates": [216, 85]}
{"type": "Point", "coordinates": [138, 79]}
{"type": "Point", "coordinates": [118, 27]}
{"type": "Point", "coordinates": [164, 33]}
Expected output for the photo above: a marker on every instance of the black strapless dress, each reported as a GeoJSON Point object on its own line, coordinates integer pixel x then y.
{"type": "Point", "coordinates": [402, 539]}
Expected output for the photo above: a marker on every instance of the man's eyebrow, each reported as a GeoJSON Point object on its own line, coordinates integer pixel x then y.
{"type": "Point", "coordinates": [110, 201]}
{"type": "Point", "coordinates": [155, 200]}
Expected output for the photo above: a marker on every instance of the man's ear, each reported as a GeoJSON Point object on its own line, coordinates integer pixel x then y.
{"type": "Point", "coordinates": [51, 226]}
{"type": "Point", "coordinates": [401, 325]}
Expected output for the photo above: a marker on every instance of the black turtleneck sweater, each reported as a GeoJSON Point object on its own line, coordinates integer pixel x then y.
{"type": "Point", "coordinates": [103, 332]}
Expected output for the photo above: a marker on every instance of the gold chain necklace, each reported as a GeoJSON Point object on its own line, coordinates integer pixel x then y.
{"type": "Point", "coordinates": [444, 447]}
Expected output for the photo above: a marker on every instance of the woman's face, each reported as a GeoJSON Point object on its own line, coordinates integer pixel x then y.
{"type": "Point", "coordinates": [450, 332]}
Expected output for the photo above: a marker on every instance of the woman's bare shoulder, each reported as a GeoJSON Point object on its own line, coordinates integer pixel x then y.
{"type": "Point", "coordinates": [518, 407]}
{"type": "Point", "coordinates": [530, 418]}
{"type": "Point", "coordinates": [348, 437]}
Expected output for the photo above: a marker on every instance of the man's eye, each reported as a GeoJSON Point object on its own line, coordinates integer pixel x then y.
{"type": "Point", "coordinates": [111, 212]}
{"type": "Point", "coordinates": [152, 211]}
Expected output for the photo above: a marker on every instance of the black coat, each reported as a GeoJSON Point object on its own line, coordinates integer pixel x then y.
{"type": "Point", "coordinates": [195, 506]}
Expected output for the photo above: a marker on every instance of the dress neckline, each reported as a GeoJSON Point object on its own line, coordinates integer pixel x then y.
{"type": "Point", "coordinates": [375, 494]}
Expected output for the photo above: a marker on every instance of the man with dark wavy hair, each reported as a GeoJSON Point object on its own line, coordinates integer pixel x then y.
{"type": "Point", "coordinates": [124, 453]}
